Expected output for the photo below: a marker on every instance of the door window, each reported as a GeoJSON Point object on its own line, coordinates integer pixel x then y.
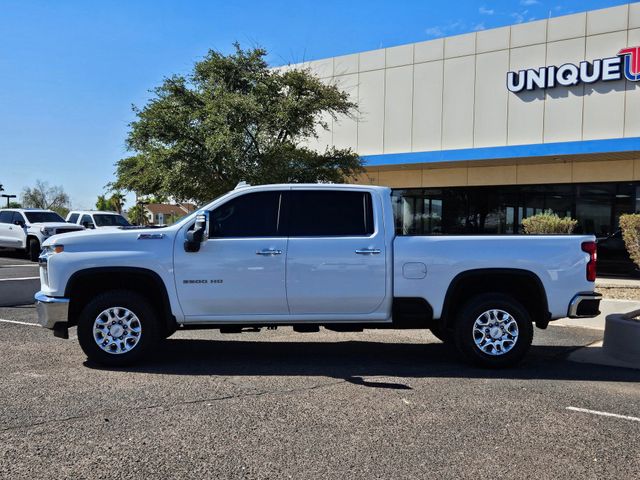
{"type": "Point", "coordinates": [6, 217]}
{"type": "Point", "coordinates": [86, 221]}
{"type": "Point", "coordinates": [318, 213]}
{"type": "Point", "coordinates": [73, 218]}
{"type": "Point", "coordinates": [251, 215]}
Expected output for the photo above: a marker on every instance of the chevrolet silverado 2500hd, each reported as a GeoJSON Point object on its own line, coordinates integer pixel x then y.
{"type": "Point", "coordinates": [308, 256]}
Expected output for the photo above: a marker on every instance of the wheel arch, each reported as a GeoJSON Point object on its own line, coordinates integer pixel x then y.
{"type": "Point", "coordinates": [85, 284]}
{"type": "Point", "coordinates": [523, 285]}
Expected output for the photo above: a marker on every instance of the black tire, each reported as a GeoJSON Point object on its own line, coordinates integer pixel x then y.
{"type": "Point", "coordinates": [465, 336]}
{"type": "Point", "coordinates": [33, 249]}
{"type": "Point", "coordinates": [135, 303]}
{"type": "Point", "coordinates": [441, 333]}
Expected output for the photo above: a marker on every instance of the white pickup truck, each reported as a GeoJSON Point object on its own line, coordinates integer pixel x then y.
{"type": "Point", "coordinates": [310, 256]}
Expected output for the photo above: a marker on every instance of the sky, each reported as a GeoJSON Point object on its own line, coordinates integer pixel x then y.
{"type": "Point", "coordinates": [71, 70]}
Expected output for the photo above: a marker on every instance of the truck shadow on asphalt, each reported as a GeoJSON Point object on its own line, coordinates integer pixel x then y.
{"type": "Point", "coordinates": [353, 361]}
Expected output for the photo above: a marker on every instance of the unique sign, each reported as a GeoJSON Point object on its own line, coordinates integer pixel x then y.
{"type": "Point", "coordinates": [625, 65]}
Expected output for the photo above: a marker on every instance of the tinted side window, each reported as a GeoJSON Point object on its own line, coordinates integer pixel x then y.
{"type": "Point", "coordinates": [250, 215]}
{"type": "Point", "coordinates": [86, 219]}
{"type": "Point", "coordinates": [73, 218]}
{"type": "Point", "coordinates": [316, 213]}
{"type": "Point", "coordinates": [6, 217]}
{"type": "Point", "coordinates": [17, 217]}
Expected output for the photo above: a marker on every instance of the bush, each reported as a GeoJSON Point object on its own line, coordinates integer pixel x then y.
{"type": "Point", "coordinates": [548, 223]}
{"type": "Point", "coordinates": [630, 225]}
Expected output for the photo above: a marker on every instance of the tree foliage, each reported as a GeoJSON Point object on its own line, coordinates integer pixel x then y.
{"type": "Point", "coordinates": [630, 225]}
{"type": "Point", "coordinates": [43, 196]}
{"type": "Point", "coordinates": [548, 223]}
{"type": "Point", "coordinates": [231, 119]}
{"type": "Point", "coordinates": [113, 203]}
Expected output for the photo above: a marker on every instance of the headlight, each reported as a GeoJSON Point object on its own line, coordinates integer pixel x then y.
{"type": "Point", "coordinates": [45, 231]}
{"type": "Point", "coordinates": [51, 250]}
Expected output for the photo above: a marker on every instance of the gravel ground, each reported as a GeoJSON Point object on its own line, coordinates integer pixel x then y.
{"type": "Point", "coordinates": [620, 293]}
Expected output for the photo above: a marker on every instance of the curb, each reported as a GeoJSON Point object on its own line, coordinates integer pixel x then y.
{"type": "Point", "coordinates": [18, 291]}
{"type": "Point", "coordinates": [622, 337]}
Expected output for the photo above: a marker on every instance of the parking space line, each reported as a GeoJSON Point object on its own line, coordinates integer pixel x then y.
{"type": "Point", "coordinates": [603, 414]}
{"type": "Point", "coordinates": [20, 323]}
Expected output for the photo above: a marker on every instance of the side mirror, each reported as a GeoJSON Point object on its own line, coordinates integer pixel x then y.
{"type": "Point", "coordinates": [199, 233]}
{"type": "Point", "coordinates": [88, 225]}
{"type": "Point", "coordinates": [19, 223]}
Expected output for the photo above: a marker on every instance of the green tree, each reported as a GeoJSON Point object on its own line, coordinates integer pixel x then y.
{"type": "Point", "coordinates": [43, 196]}
{"type": "Point", "coordinates": [102, 203]}
{"type": "Point", "coordinates": [114, 203]}
{"type": "Point", "coordinates": [231, 119]}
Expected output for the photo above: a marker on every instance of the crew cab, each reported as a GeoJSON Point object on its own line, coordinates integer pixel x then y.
{"type": "Point", "coordinates": [26, 228]}
{"type": "Point", "coordinates": [310, 256]}
{"type": "Point", "coordinates": [97, 219]}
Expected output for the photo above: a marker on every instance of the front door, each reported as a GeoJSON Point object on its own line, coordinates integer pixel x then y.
{"type": "Point", "coordinates": [11, 235]}
{"type": "Point", "coordinates": [240, 270]}
{"type": "Point", "coordinates": [336, 261]}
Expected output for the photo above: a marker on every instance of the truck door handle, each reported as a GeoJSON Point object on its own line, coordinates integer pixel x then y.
{"type": "Point", "coordinates": [368, 251]}
{"type": "Point", "coordinates": [269, 252]}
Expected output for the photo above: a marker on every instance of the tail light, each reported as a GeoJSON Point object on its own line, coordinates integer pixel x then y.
{"type": "Point", "coordinates": [592, 249]}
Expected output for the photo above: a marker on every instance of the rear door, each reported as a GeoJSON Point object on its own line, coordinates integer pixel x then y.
{"type": "Point", "coordinates": [336, 261]}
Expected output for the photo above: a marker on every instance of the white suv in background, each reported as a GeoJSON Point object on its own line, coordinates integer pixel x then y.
{"type": "Point", "coordinates": [97, 219]}
{"type": "Point", "coordinates": [26, 229]}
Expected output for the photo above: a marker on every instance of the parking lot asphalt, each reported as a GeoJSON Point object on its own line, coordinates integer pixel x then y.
{"type": "Point", "coordinates": [13, 265]}
{"type": "Point", "coordinates": [278, 404]}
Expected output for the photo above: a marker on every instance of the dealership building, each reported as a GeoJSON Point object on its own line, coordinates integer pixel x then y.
{"type": "Point", "coordinates": [475, 132]}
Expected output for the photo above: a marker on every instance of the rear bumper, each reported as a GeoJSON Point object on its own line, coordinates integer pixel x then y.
{"type": "Point", "coordinates": [52, 311]}
{"type": "Point", "coordinates": [585, 305]}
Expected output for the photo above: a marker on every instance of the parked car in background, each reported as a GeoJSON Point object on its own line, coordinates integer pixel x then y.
{"type": "Point", "coordinates": [26, 229]}
{"type": "Point", "coordinates": [97, 219]}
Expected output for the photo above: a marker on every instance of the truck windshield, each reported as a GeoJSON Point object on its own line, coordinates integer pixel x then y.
{"type": "Point", "coordinates": [104, 220]}
{"type": "Point", "coordinates": [43, 217]}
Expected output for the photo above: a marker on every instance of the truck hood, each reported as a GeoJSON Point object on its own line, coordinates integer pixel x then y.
{"type": "Point", "coordinates": [111, 239]}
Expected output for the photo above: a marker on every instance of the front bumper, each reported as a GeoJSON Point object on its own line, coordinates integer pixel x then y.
{"type": "Point", "coordinates": [585, 305]}
{"type": "Point", "coordinates": [52, 311]}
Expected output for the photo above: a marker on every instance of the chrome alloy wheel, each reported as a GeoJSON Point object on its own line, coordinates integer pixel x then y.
{"type": "Point", "coordinates": [495, 332]}
{"type": "Point", "coordinates": [117, 330]}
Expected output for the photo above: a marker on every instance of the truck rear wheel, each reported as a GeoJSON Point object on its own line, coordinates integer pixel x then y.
{"type": "Point", "coordinates": [494, 331]}
{"type": "Point", "coordinates": [117, 328]}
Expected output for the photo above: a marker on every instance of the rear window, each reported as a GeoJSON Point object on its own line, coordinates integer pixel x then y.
{"type": "Point", "coordinates": [43, 217]}
{"type": "Point", "coordinates": [317, 213]}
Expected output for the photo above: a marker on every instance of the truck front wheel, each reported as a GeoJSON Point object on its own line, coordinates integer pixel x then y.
{"type": "Point", "coordinates": [493, 330]}
{"type": "Point", "coordinates": [117, 328]}
{"type": "Point", "coordinates": [33, 249]}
